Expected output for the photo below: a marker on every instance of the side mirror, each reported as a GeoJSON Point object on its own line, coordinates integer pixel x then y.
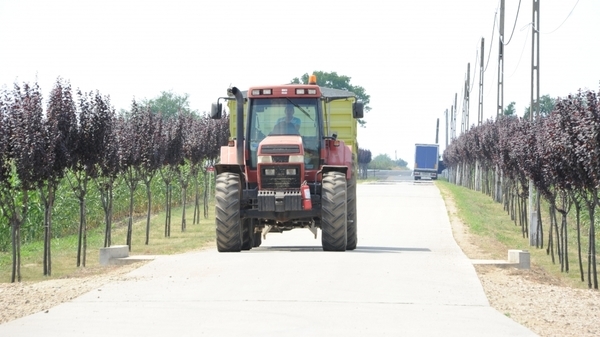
{"type": "Point", "coordinates": [358, 109]}
{"type": "Point", "coordinates": [215, 111]}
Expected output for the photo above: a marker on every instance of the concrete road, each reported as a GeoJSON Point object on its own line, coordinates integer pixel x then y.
{"type": "Point", "coordinates": [407, 277]}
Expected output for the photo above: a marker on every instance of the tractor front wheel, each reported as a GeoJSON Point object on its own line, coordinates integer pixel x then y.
{"type": "Point", "coordinates": [228, 191]}
{"type": "Point", "coordinates": [333, 212]}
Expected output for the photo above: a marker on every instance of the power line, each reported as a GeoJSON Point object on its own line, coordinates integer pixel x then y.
{"type": "Point", "coordinates": [491, 40]}
{"type": "Point", "coordinates": [473, 82]}
{"type": "Point", "coordinates": [522, 50]}
{"type": "Point", "coordinates": [514, 25]}
{"type": "Point", "coordinates": [565, 20]}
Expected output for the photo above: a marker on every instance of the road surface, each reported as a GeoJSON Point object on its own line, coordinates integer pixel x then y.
{"type": "Point", "coordinates": [407, 277]}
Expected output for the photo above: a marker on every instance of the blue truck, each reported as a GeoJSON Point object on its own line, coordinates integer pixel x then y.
{"type": "Point", "coordinates": [426, 161]}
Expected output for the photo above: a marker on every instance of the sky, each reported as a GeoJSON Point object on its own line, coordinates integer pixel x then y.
{"type": "Point", "coordinates": [410, 56]}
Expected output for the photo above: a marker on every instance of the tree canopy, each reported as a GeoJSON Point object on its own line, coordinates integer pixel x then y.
{"type": "Point", "coordinates": [168, 104]}
{"type": "Point", "coordinates": [546, 107]}
{"type": "Point", "coordinates": [382, 162]}
{"type": "Point", "coordinates": [335, 81]}
{"type": "Point", "coordinates": [510, 109]}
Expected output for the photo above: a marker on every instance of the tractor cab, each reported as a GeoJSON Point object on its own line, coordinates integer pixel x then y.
{"type": "Point", "coordinates": [284, 130]}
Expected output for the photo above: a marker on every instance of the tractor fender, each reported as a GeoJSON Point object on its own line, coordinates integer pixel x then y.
{"type": "Point", "coordinates": [335, 168]}
{"type": "Point", "coordinates": [233, 168]}
{"type": "Point", "coordinates": [340, 159]}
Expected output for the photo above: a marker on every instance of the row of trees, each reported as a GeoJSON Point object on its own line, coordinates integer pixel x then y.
{"type": "Point", "coordinates": [559, 153]}
{"type": "Point", "coordinates": [364, 158]}
{"type": "Point", "coordinates": [80, 138]}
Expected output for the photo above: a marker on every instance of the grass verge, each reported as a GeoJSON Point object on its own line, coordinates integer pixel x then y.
{"type": "Point", "coordinates": [64, 250]}
{"type": "Point", "coordinates": [494, 232]}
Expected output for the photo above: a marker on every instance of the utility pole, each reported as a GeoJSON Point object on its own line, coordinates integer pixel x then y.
{"type": "Point", "coordinates": [467, 91]}
{"type": "Point", "coordinates": [500, 96]}
{"type": "Point", "coordinates": [446, 114]}
{"type": "Point", "coordinates": [481, 69]}
{"type": "Point", "coordinates": [462, 115]}
{"type": "Point", "coordinates": [437, 130]}
{"type": "Point", "coordinates": [454, 117]}
{"type": "Point", "coordinates": [534, 108]}
{"type": "Point", "coordinates": [500, 102]}
{"type": "Point", "coordinates": [452, 134]}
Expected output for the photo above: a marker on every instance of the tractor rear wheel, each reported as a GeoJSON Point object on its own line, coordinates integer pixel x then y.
{"type": "Point", "coordinates": [352, 224]}
{"type": "Point", "coordinates": [257, 240]}
{"type": "Point", "coordinates": [247, 234]}
{"type": "Point", "coordinates": [333, 212]}
{"type": "Point", "coordinates": [228, 190]}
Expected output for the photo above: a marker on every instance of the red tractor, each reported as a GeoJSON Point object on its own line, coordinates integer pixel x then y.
{"type": "Point", "coordinates": [292, 164]}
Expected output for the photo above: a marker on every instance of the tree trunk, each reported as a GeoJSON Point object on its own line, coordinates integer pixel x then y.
{"type": "Point", "coordinates": [183, 202]}
{"type": "Point", "coordinates": [196, 199]}
{"type": "Point", "coordinates": [13, 233]}
{"type": "Point", "coordinates": [592, 276]}
{"type": "Point", "coordinates": [84, 253]}
{"type": "Point", "coordinates": [564, 242]}
{"type": "Point", "coordinates": [540, 228]}
{"type": "Point", "coordinates": [18, 242]}
{"type": "Point", "coordinates": [109, 215]}
{"type": "Point", "coordinates": [558, 238]}
{"type": "Point", "coordinates": [550, 248]}
{"type": "Point", "coordinates": [167, 207]}
{"type": "Point", "coordinates": [106, 196]}
{"type": "Point", "coordinates": [170, 208]}
{"type": "Point", "coordinates": [81, 231]}
{"type": "Point", "coordinates": [206, 195]}
{"type": "Point", "coordinates": [48, 201]}
{"type": "Point", "coordinates": [578, 219]}
{"type": "Point", "coordinates": [592, 240]}
{"type": "Point", "coordinates": [130, 220]}
{"type": "Point", "coordinates": [149, 196]}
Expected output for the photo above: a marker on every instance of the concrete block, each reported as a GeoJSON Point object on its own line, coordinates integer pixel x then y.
{"type": "Point", "coordinates": [113, 252]}
{"type": "Point", "coordinates": [132, 259]}
{"type": "Point", "coordinates": [520, 258]}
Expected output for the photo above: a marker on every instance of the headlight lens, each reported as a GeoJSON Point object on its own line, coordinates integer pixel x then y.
{"type": "Point", "coordinates": [270, 172]}
{"type": "Point", "coordinates": [264, 159]}
{"type": "Point", "coordinates": [290, 171]}
{"type": "Point", "coordinates": [296, 159]}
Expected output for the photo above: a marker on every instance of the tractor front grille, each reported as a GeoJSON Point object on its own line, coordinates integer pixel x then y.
{"type": "Point", "coordinates": [280, 180]}
{"type": "Point", "coordinates": [280, 149]}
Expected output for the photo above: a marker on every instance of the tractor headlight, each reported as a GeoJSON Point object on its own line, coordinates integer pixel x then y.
{"type": "Point", "coordinates": [290, 171]}
{"type": "Point", "coordinates": [270, 172]}
{"type": "Point", "coordinates": [296, 159]}
{"type": "Point", "coordinates": [264, 159]}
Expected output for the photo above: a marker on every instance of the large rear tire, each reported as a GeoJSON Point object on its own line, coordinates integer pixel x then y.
{"type": "Point", "coordinates": [227, 216]}
{"type": "Point", "coordinates": [352, 225]}
{"type": "Point", "coordinates": [333, 212]}
{"type": "Point", "coordinates": [257, 240]}
{"type": "Point", "coordinates": [247, 234]}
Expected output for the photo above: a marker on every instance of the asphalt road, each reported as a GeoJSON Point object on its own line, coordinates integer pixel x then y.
{"type": "Point", "coordinates": [407, 277]}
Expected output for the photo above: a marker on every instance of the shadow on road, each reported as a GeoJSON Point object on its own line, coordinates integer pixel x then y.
{"type": "Point", "coordinates": [359, 249]}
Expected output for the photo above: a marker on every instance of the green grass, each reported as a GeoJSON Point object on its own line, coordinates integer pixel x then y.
{"type": "Point", "coordinates": [64, 250]}
{"type": "Point", "coordinates": [495, 232]}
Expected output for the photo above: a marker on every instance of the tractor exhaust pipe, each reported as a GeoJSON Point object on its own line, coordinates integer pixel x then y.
{"type": "Point", "coordinates": [239, 146]}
